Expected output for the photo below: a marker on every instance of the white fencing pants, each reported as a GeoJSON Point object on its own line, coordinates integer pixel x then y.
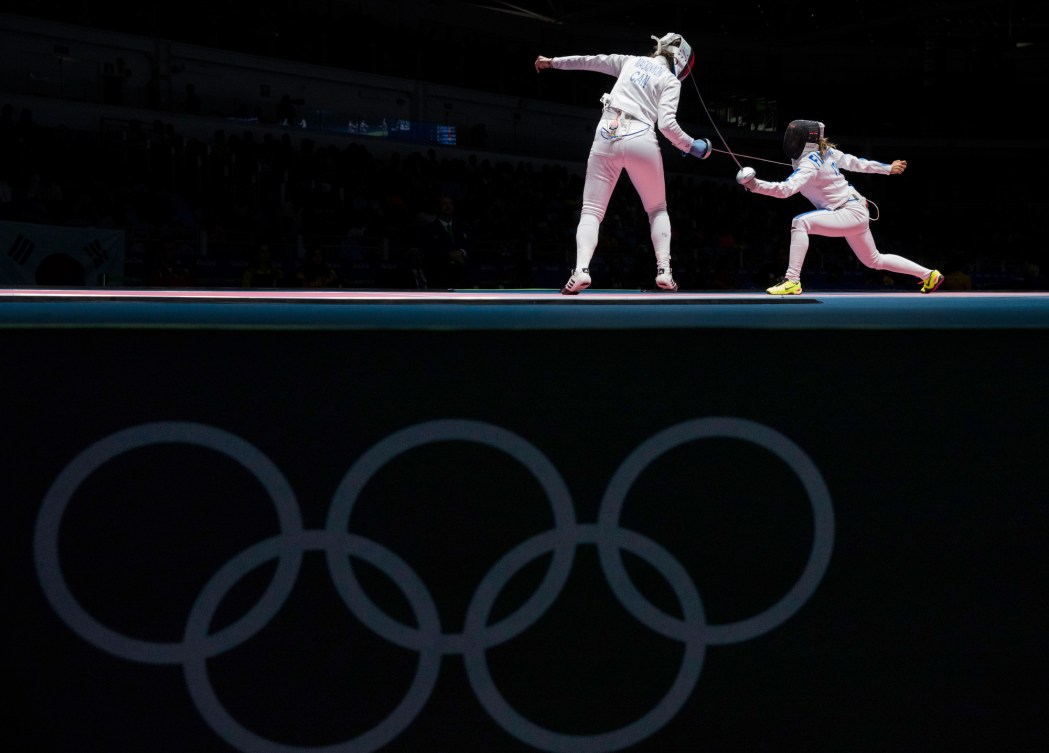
{"type": "Point", "coordinates": [642, 159]}
{"type": "Point", "coordinates": [851, 222]}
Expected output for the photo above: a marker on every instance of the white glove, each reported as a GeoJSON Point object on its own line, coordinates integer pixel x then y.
{"type": "Point", "coordinates": [745, 177]}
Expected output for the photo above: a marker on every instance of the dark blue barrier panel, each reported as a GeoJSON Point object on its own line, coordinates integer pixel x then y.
{"type": "Point", "coordinates": [703, 540]}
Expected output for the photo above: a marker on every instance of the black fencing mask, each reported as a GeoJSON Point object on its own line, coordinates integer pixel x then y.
{"type": "Point", "coordinates": [799, 135]}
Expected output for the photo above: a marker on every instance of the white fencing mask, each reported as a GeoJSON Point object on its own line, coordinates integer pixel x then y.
{"type": "Point", "coordinates": [679, 50]}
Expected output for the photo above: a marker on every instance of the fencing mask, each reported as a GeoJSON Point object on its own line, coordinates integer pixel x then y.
{"type": "Point", "coordinates": [801, 136]}
{"type": "Point", "coordinates": [680, 50]}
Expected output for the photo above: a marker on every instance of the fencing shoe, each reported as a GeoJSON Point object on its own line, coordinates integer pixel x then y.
{"type": "Point", "coordinates": [665, 280]}
{"type": "Point", "coordinates": [933, 281]}
{"type": "Point", "coordinates": [580, 280]}
{"type": "Point", "coordinates": [784, 286]}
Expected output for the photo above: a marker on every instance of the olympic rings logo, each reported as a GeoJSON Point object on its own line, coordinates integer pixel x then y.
{"type": "Point", "coordinates": [432, 644]}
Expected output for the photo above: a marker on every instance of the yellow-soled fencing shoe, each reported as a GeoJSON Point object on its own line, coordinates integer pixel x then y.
{"type": "Point", "coordinates": [933, 281]}
{"type": "Point", "coordinates": [784, 286]}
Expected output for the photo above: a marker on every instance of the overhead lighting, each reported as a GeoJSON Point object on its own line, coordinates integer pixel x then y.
{"type": "Point", "coordinates": [515, 10]}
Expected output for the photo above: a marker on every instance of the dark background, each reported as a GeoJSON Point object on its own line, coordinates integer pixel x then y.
{"type": "Point", "coordinates": [925, 634]}
{"type": "Point", "coordinates": [944, 70]}
{"type": "Point", "coordinates": [954, 88]}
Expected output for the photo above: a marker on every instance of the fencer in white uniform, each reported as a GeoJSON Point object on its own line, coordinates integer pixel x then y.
{"type": "Point", "coordinates": [841, 211]}
{"type": "Point", "coordinates": [644, 98]}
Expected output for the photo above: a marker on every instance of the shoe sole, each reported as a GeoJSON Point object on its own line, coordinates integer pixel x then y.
{"type": "Point", "coordinates": [566, 291]}
{"type": "Point", "coordinates": [785, 292]}
{"type": "Point", "coordinates": [935, 287]}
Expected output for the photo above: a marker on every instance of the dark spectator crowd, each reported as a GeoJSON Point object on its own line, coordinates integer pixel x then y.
{"type": "Point", "coordinates": [200, 213]}
{"type": "Point", "coordinates": [244, 209]}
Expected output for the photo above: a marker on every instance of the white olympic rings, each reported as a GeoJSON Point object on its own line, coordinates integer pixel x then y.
{"type": "Point", "coordinates": [427, 638]}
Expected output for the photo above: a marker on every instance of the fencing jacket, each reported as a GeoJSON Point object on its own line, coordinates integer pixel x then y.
{"type": "Point", "coordinates": [645, 89]}
{"type": "Point", "coordinates": [819, 179]}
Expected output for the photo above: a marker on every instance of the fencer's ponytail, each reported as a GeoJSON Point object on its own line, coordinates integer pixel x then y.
{"type": "Point", "coordinates": [662, 52]}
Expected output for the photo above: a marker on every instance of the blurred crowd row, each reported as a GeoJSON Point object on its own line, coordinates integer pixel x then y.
{"type": "Point", "coordinates": [247, 210]}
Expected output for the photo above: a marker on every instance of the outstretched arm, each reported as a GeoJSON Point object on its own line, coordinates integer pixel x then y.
{"type": "Point", "coordinates": [855, 164]}
{"type": "Point", "coordinates": [778, 189]}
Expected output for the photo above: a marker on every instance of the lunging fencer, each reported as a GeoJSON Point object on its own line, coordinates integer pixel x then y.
{"type": "Point", "coordinates": [841, 211]}
{"type": "Point", "coordinates": [645, 97]}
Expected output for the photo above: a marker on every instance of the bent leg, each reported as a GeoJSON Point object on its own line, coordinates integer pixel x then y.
{"type": "Point", "coordinates": [799, 248]}
{"type": "Point", "coordinates": [816, 222]}
{"type": "Point", "coordinates": [842, 223]}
